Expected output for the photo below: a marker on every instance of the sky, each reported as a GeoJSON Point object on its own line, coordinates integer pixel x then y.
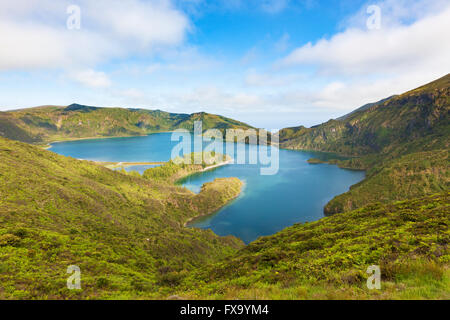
{"type": "Point", "coordinates": [269, 63]}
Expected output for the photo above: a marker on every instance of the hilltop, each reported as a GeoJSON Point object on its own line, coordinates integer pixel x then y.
{"type": "Point", "coordinates": [55, 123]}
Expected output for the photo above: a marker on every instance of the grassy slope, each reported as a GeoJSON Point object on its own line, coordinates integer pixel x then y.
{"type": "Point", "coordinates": [408, 176]}
{"type": "Point", "coordinates": [126, 233]}
{"type": "Point", "coordinates": [403, 142]}
{"type": "Point", "coordinates": [51, 123]}
{"type": "Point", "coordinates": [63, 210]}
{"type": "Point", "coordinates": [328, 259]}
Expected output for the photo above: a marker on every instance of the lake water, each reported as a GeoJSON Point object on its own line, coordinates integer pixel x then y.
{"type": "Point", "coordinates": [268, 203]}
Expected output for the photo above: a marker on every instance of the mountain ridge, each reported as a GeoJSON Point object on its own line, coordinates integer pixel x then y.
{"type": "Point", "coordinates": [395, 120]}
{"type": "Point", "coordinates": [45, 124]}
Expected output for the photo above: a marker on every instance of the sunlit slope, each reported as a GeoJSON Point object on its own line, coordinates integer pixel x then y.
{"type": "Point", "coordinates": [50, 123]}
{"type": "Point", "coordinates": [126, 233]}
{"type": "Point", "coordinates": [403, 177]}
{"type": "Point", "coordinates": [328, 259]}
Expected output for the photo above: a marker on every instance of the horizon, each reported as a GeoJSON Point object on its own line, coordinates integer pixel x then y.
{"type": "Point", "coordinates": [197, 112]}
{"type": "Point", "coordinates": [272, 64]}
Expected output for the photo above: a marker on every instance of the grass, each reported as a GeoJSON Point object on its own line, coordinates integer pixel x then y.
{"type": "Point", "coordinates": [126, 233]}
{"type": "Point", "coordinates": [328, 259]}
{"type": "Point", "coordinates": [404, 177]}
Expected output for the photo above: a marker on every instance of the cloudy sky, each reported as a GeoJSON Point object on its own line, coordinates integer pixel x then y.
{"type": "Point", "coordinates": [270, 63]}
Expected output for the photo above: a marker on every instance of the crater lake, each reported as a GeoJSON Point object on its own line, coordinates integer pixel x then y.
{"type": "Point", "coordinates": [267, 204]}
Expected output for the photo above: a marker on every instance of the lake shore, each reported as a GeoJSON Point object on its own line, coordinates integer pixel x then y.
{"type": "Point", "coordinates": [49, 143]}
{"type": "Point", "coordinates": [114, 165]}
{"type": "Point", "coordinates": [218, 165]}
{"type": "Point", "coordinates": [216, 210]}
{"type": "Point", "coordinates": [261, 189]}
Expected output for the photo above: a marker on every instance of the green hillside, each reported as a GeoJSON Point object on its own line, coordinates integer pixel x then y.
{"type": "Point", "coordinates": [402, 142]}
{"type": "Point", "coordinates": [126, 233]}
{"type": "Point", "coordinates": [328, 259]}
{"type": "Point", "coordinates": [408, 176]}
{"type": "Point", "coordinates": [52, 123]}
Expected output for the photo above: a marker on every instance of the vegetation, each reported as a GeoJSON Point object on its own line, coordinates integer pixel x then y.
{"type": "Point", "coordinates": [52, 123]}
{"type": "Point", "coordinates": [179, 168]}
{"type": "Point", "coordinates": [379, 129]}
{"type": "Point", "coordinates": [328, 259]}
{"type": "Point", "coordinates": [408, 176]}
{"type": "Point", "coordinates": [128, 237]}
{"type": "Point", "coordinates": [402, 142]}
{"type": "Point", "coordinates": [315, 161]}
{"type": "Point", "coordinates": [126, 233]}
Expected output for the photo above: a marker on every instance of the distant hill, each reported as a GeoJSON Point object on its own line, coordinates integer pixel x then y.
{"type": "Point", "coordinates": [54, 123]}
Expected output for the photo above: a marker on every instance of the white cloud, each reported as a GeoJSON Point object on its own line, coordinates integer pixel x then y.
{"type": "Point", "coordinates": [358, 66]}
{"type": "Point", "coordinates": [270, 79]}
{"type": "Point", "coordinates": [146, 23]}
{"type": "Point", "coordinates": [395, 13]}
{"type": "Point", "coordinates": [187, 59]}
{"type": "Point", "coordinates": [274, 6]}
{"type": "Point", "coordinates": [33, 34]}
{"type": "Point", "coordinates": [133, 93]}
{"type": "Point", "coordinates": [91, 78]}
{"type": "Point", "coordinates": [282, 44]}
{"type": "Point", "coordinates": [389, 50]}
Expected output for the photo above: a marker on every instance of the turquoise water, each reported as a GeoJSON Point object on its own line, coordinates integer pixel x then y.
{"type": "Point", "coordinates": [268, 204]}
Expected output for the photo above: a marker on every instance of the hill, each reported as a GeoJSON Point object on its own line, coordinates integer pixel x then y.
{"type": "Point", "coordinates": [54, 123]}
{"type": "Point", "coordinates": [402, 142]}
{"type": "Point", "coordinates": [381, 127]}
{"type": "Point", "coordinates": [126, 233]}
{"type": "Point", "coordinates": [328, 259]}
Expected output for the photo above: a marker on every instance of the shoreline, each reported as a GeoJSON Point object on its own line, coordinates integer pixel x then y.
{"type": "Point", "coordinates": [186, 224]}
{"type": "Point", "coordinates": [213, 166]}
{"type": "Point", "coordinates": [178, 181]}
{"type": "Point", "coordinates": [113, 165]}
{"type": "Point", "coordinates": [218, 165]}
{"type": "Point", "coordinates": [49, 143]}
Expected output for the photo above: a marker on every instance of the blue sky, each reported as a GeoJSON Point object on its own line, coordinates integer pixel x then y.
{"type": "Point", "coordinates": [270, 63]}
